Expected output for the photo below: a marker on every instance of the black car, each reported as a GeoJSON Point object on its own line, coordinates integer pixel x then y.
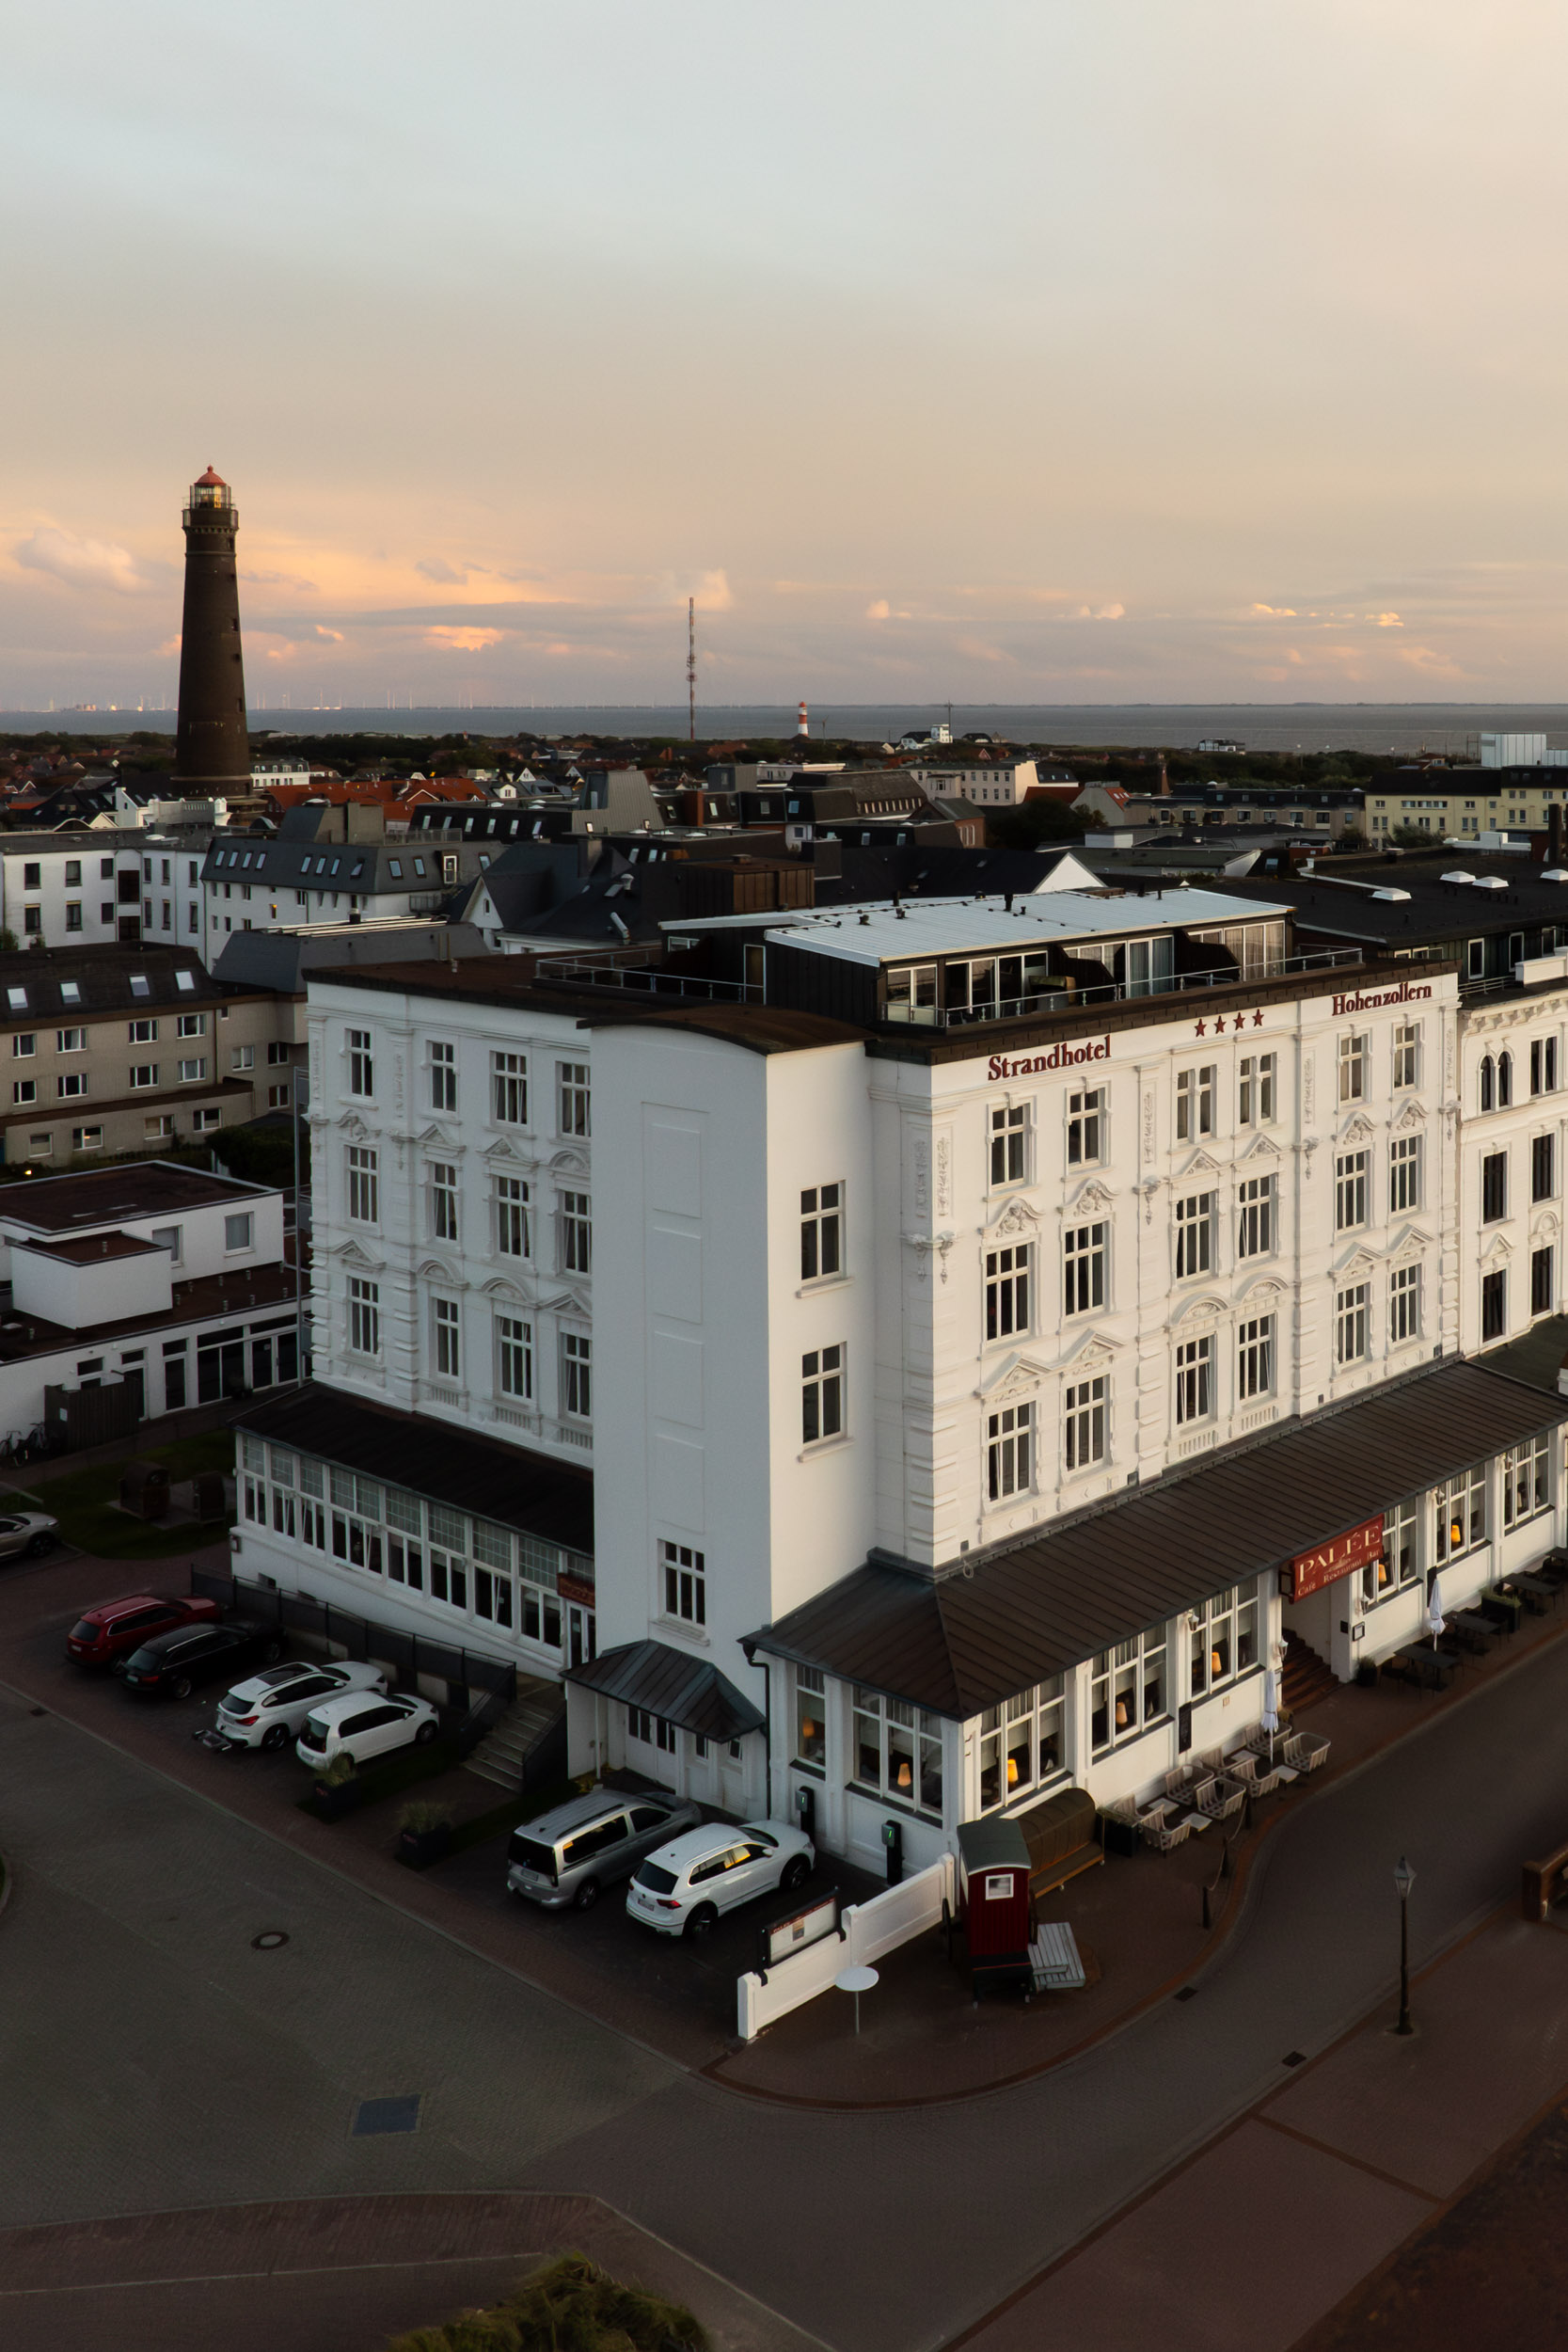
{"type": "Point", "coordinates": [171, 1663]}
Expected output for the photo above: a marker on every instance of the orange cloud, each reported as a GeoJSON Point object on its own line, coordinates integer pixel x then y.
{"type": "Point", "coordinates": [463, 639]}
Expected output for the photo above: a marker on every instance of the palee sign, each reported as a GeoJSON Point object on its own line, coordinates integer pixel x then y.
{"type": "Point", "coordinates": [1064, 1056]}
{"type": "Point", "coordinates": [1309, 1571]}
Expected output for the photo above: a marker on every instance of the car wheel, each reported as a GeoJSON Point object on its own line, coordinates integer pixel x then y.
{"type": "Point", "coordinates": [272, 1653]}
{"type": "Point", "coordinates": [425, 1733]}
{"type": "Point", "coordinates": [275, 1737]}
{"type": "Point", "coordinates": [586, 1896]}
{"type": "Point", "coordinates": [702, 1922]}
{"type": "Point", "coordinates": [42, 1541]}
{"type": "Point", "coordinates": [795, 1875]}
{"type": "Point", "coordinates": [180, 1690]}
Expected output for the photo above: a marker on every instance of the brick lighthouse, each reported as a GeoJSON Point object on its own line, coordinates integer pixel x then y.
{"type": "Point", "coordinates": [211, 749]}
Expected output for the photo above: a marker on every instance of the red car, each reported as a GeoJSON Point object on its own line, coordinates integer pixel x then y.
{"type": "Point", "coordinates": [115, 1627]}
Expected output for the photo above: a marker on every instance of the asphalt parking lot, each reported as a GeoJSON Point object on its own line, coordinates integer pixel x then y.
{"type": "Point", "coordinates": [676, 1996]}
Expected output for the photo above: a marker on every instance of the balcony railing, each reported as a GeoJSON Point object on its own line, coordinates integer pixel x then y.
{"type": "Point", "coordinates": [643, 979]}
{"type": "Point", "coordinates": [1119, 991]}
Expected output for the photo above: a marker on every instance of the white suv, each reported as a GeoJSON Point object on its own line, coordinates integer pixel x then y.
{"type": "Point", "coordinates": [363, 1724]}
{"type": "Point", "coordinates": [269, 1711]}
{"type": "Point", "coordinates": [682, 1888]}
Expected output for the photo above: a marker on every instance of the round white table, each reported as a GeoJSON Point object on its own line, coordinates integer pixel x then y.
{"type": "Point", "coordinates": [856, 1981]}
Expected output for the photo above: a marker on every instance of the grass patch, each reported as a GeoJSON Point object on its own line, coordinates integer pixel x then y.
{"type": "Point", "coordinates": [85, 1502]}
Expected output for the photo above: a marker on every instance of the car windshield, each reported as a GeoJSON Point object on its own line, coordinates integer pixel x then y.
{"type": "Point", "coordinates": [657, 1880]}
{"type": "Point", "coordinates": [533, 1856]}
{"type": "Point", "coordinates": [84, 1631]}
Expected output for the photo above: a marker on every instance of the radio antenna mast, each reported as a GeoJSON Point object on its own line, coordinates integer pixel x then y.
{"type": "Point", "coordinates": [691, 667]}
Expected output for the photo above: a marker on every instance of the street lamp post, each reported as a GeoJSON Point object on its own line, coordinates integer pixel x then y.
{"type": "Point", "coordinates": [1404, 1879]}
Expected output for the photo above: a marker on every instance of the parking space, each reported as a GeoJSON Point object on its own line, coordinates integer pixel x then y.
{"type": "Point", "coordinates": [675, 1996]}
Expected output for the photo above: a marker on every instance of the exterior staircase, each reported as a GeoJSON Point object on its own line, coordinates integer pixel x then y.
{"type": "Point", "coordinates": [1307, 1677]}
{"type": "Point", "coordinates": [528, 1746]}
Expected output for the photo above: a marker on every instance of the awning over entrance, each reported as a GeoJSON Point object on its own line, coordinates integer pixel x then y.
{"type": "Point", "coordinates": [963, 1643]}
{"type": "Point", "coordinates": [687, 1691]}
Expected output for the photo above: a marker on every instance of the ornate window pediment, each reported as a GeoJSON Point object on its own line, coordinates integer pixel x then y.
{"type": "Point", "coordinates": [1017, 1218]}
{"type": "Point", "coordinates": [436, 1138]}
{"type": "Point", "coordinates": [353, 1126]}
{"type": "Point", "coordinates": [1199, 1164]}
{"type": "Point", "coordinates": [571, 1162]}
{"type": "Point", "coordinates": [1359, 1260]}
{"type": "Point", "coordinates": [353, 1253]}
{"type": "Point", "coordinates": [1093, 1352]}
{"type": "Point", "coordinates": [1260, 1148]}
{"type": "Point", "coordinates": [1015, 1373]}
{"type": "Point", "coordinates": [1413, 1115]}
{"type": "Point", "coordinates": [566, 1302]}
{"type": "Point", "coordinates": [439, 1270]}
{"type": "Point", "coordinates": [1412, 1242]}
{"type": "Point", "coordinates": [501, 1148]}
{"type": "Point", "coordinates": [1264, 1288]}
{"type": "Point", "coordinates": [1358, 1128]}
{"type": "Point", "coordinates": [1543, 1226]}
{"type": "Point", "coordinates": [1496, 1250]}
{"type": "Point", "coordinates": [1095, 1194]}
{"type": "Point", "coordinates": [1207, 1309]}
{"type": "Point", "coordinates": [498, 1287]}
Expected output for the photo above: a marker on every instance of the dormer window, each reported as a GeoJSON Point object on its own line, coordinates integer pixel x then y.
{"type": "Point", "coordinates": [186, 980]}
{"type": "Point", "coordinates": [71, 991]}
{"type": "Point", "coordinates": [140, 986]}
{"type": "Point", "coordinates": [17, 999]}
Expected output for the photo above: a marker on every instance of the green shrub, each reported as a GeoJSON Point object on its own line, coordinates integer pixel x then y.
{"type": "Point", "coordinates": [340, 1769]}
{"type": "Point", "coordinates": [570, 2306]}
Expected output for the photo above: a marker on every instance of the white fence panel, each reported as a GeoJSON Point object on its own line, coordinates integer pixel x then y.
{"type": "Point", "coordinates": [871, 1930]}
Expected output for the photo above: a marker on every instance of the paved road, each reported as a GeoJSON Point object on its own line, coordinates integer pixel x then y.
{"type": "Point", "coordinates": [183, 2068]}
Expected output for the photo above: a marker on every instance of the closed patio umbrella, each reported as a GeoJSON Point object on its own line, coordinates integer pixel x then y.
{"type": "Point", "coordinates": [1435, 1613]}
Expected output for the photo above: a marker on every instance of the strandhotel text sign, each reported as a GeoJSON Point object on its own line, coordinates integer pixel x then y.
{"type": "Point", "coordinates": [1060, 1058]}
{"type": "Point", "coordinates": [1309, 1571]}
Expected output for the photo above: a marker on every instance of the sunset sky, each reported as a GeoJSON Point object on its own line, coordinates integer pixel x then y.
{"type": "Point", "coordinates": [1154, 349]}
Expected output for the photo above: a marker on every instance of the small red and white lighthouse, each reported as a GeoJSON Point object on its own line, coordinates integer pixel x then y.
{"type": "Point", "coordinates": [803, 725]}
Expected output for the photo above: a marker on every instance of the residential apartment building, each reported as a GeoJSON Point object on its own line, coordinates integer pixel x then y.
{"type": "Point", "coordinates": [70, 889]}
{"type": "Point", "coordinates": [107, 1050]}
{"type": "Point", "coordinates": [1461, 803]}
{"type": "Point", "coordinates": [931, 1356]}
{"type": "Point", "coordinates": [324, 865]}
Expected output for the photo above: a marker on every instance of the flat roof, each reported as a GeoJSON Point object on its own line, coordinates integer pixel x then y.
{"type": "Point", "coordinates": [92, 1248]}
{"type": "Point", "coordinates": [958, 1643]}
{"type": "Point", "coordinates": [876, 932]}
{"type": "Point", "coordinates": [106, 1196]}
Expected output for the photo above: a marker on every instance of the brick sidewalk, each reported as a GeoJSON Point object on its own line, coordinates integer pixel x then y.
{"type": "Point", "coordinates": [1267, 2227]}
{"type": "Point", "coordinates": [339, 2274]}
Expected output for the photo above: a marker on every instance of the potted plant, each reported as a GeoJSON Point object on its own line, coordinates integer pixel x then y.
{"type": "Point", "coordinates": [338, 1789]}
{"type": "Point", "coordinates": [425, 1835]}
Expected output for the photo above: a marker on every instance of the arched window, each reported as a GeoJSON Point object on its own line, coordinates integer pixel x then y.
{"type": "Point", "coordinates": [1486, 1082]}
{"type": "Point", "coordinates": [1505, 1081]}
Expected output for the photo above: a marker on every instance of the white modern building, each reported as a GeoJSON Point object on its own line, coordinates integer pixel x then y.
{"type": "Point", "coordinates": [941, 1356]}
{"type": "Point", "coordinates": [153, 1278]}
{"type": "Point", "coordinates": [993, 783]}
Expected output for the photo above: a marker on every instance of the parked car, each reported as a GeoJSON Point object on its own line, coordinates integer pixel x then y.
{"type": "Point", "coordinates": [571, 1854]}
{"type": "Point", "coordinates": [22, 1533]}
{"type": "Point", "coordinates": [362, 1724]}
{"type": "Point", "coordinates": [106, 1632]}
{"type": "Point", "coordinates": [171, 1663]}
{"type": "Point", "coordinates": [681, 1889]}
{"type": "Point", "coordinates": [269, 1711]}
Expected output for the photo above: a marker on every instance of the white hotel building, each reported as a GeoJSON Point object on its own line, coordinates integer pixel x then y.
{"type": "Point", "coordinates": [905, 1375]}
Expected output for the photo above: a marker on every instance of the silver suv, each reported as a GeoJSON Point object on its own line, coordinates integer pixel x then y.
{"type": "Point", "coordinates": [569, 1855]}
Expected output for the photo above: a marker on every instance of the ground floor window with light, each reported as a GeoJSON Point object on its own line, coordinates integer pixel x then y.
{"type": "Point", "coordinates": [1224, 1640]}
{"type": "Point", "coordinates": [898, 1750]}
{"type": "Point", "coordinates": [1397, 1565]}
{"type": "Point", "coordinates": [1525, 1480]}
{"type": "Point", "coordinates": [1022, 1743]}
{"type": "Point", "coordinates": [1127, 1689]}
{"type": "Point", "coordinates": [1458, 1515]}
{"type": "Point", "coordinates": [811, 1737]}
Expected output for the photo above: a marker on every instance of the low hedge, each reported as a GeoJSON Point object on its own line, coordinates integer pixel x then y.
{"type": "Point", "coordinates": [570, 2306]}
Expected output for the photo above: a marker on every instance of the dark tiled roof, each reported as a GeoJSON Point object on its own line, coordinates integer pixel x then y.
{"type": "Point", "coordinates": [506, 1483]}
{"type": "Point", "coordinates": [759, 1028]}
{"type": "Point", "coordinates": [103, 977]}
{"type": "Point", "coordinates": [971, 1640]}
{"type": "Point", "coordinates": [687, 1691]}
{"type": "Point", "coordinates": [1536, 1357]}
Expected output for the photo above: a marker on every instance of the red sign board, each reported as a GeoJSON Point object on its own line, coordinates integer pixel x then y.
{"type": "Point", "coordinates": [1327, 1563]}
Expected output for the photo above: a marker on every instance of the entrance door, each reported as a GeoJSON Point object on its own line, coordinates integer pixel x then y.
{"type": "Point", "coordinates": [581, 1647]}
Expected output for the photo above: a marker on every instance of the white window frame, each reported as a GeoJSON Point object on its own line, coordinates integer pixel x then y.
{"type": "Point", "coordinates": [822, 1395]}
{"type": "Point", "coordinates": [515, 1358]}
{"type": "Point", "coordinates": [1353, 1324]}
{"type": "Point", "coordinates": [362, 1183]}
{"type": "Point", "coordinates": [364, 1317]}
{"type": "Point", "coordinates": [1405, 1305]}
{"type": "Point", "coordinates": [1010, 1451]}
{"type": "Point", "coordinates": [1194, 1380]}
